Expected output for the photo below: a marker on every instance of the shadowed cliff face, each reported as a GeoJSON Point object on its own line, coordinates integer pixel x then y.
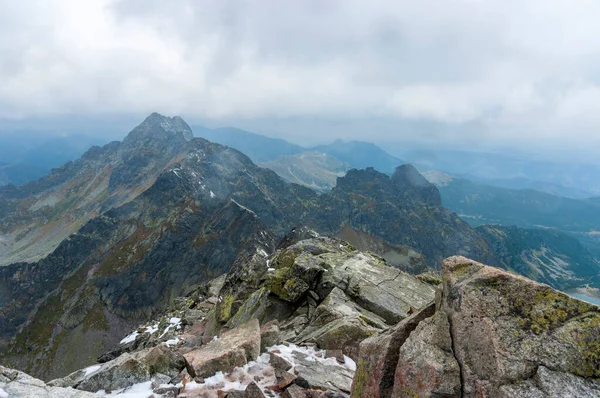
{"type": "Point", "coordinates": [112, 238]}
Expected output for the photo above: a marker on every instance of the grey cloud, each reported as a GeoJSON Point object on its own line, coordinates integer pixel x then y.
{"type": "Point", "coordinates": [518, 70]}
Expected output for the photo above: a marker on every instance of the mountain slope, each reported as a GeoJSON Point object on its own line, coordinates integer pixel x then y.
{"type": "Point", "coordinates": [111, 239]}
{"type": "Point", "coordinates": [361, 155]}
{"type": "Point", "coordinates": [483, 204]}
{"type": "Point", "coordinates": [257, 147]}
{"type": "Point", "coordinates": [547, 256]}
{"type": "Point", "coordinates": [315, 170]}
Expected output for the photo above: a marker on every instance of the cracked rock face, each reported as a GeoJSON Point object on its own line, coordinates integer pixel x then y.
{"type": "Point", "coordinates": [324, 291]}
{"type": "Point", "coordinates": [493, 334]}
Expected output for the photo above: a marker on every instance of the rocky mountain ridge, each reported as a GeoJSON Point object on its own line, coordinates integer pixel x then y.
{"type": "Point", "coordinates": [131, 226]}
{"type": "Point", "coordinates": [329, 333]}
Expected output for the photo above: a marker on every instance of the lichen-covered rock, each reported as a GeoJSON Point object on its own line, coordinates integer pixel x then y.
{"type": "Point", "coordinates": [126, 370]}
{"type": "Point", "coordinates": [321, 376]}
{"type": "Point", "coordinates": [15, 384]}
{"type": "Point", "coordinates": [504, 326]}
{"type": "Point", "coordinates": [378, 357]}
{"type": "Point", "coordinates": [549, 384]}
{"type": "Point", "coordinates": [494, 334]}
{"type": "Point", "coordinates": [426, 364]}
{"type": "Point", "coordinates": [234, 348]}
{"type": "Point", "coordinates": [339, 323]}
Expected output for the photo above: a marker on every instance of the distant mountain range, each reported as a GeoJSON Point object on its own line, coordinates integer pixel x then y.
{"type": "Point", "coordinates": [569, 179]}
{"type": "Point", "coordinates": [107, 241]}
{"type": "Point", "coordinates": [484, 204]}
{"type": "Point", "coordinates": [29, 155]}
{"type": "Point", "coordinates": [315, 170]}
{"type": "Point", "coordinates": [262, 149]}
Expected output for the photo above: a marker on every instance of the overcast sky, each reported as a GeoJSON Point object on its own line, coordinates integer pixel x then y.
{"type": "Point", "coordinates": [516, 73]}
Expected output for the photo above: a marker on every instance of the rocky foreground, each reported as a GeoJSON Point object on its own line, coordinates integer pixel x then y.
{"type": "Point", "coordinates": [318, 318]}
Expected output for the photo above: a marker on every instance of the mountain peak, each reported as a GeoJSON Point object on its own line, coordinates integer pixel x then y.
{"type": "Point", "coordinates": [157, 126]}
{"type": "Point", "coordinates": [407, 178]}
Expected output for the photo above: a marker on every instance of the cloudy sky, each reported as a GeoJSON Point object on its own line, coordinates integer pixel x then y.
{"type": "Point", "coordinates": [507, 73]}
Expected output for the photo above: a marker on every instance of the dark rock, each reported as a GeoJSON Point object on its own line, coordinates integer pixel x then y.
{"type": "Point", "coordinates": [278, 362]}
{"type": "Point", "coordinates": [253, 391]}
{"type": "Point", "coordinates": [234, 348]}
{"type": "Point", "coordinates": [337, 354]}
{"type": "Point", "coordinates": [294, 391]}
{"type": "Point", "coordinates": [284, 378]}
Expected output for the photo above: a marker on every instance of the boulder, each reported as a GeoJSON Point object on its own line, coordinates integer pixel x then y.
{"type": "Point", "coordinates": [126, 370]}
{"type": "Point", "coordinates": [269, 335]}
{"type": "Point", "coordinates": [322, 376]}
{"type": "Point", "coordinates": [16, 384]}
{"type": "Point", "coordinates": [549, 384]}
{"type": "Point", "coordinates": [493, 334]}
{"type": "Point", "coordinates": [505, 326]}
{"type": "Point", "coordinates": [253, 391]}
{"type": "Point", "coordinates": [426, 364]}
{"type": "Point", "coordinates": [234, 348]}
{"type": "Point", "coordinates": [340, 323]}
{"type": "Point", "coordinates": [378, 357]}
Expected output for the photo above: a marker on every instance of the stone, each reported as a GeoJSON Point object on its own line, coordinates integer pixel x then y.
{"type": "Point", "coordinates": [166, 390]}
{"type": "Point", "coordinates": [493, 334]}
{"type": "Point", "coordinates": [504, 326]}
{"type": "Point", "coordinates": [294, 391]}
{"type": "Point", "coordinates": [322, 376]}
{"type": "Point", "coordinates": [426, 364]}
{"type": "Point", "coordinates": [341, 324]}
{"type": "Point", "coordinates": [269, 335]}
{"type": "Point", "coordinates": [253, 391]}
{"type": "Point", "coordinates": [337, 354]}
{"type": "Point", "coordinates": [16, 384]}
{"type": "Point", "coordinates": [284, 378]}
{"type": "Point", "coordinates": [547, 383]}
{"type": "Point", "coordinates": [235, 347]}
{"type": "Point", "coordinates": [278, 362]}
{"type": "Point", "coordinates": [126, 370]}
{"type": "Point", "coordinates": [378, 357]}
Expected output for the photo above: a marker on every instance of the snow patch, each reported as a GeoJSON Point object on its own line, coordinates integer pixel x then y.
{"type": "Point", "coordinates": [172, 342]}
{"type": "Point", "coordinates": [139, 390]}
{"type": "Point", "coordinates": [270, 269]}
{"type": "Point", "coordinates": [152, 329]}
{"type": "Point", "coordinates": [175, 321]}
{"type": "Point", "coordinates": [92, 369]}
{"type": "Point", "coordinates": [212, 194]}
{"type": "Point", "coordinates": [350, 364]}
{"type": "Point", "coordinates": [129, 338]}
{"type": "Point", "coordinates": [3, 394]}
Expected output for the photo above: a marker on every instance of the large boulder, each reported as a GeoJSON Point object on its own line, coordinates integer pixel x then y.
{"type": "Point", "coordinates": [236, 347]}
{"type": "Point", "coordinates": [15, 384]}
{"type": "Point", "coordinates": [494, 334]}
{"type": "Point", "coordinates": [340, 323]}
{"type": "Point", "coordinates": [126, 370]}
{"type": "Point", "coordinates": [378, 357]}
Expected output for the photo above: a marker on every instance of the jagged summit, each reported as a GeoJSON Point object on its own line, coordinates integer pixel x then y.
{"type": "Point", "coordinates": [159, 127]}
{"type": "Point", "coordinates": [407, 179]}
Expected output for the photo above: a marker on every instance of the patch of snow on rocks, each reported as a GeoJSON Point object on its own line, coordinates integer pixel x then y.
{"type": "Point", "coordinates": [129, 338]}
{"type": "Point", "coordinates": [260, 371]}
{"type": "Point", "coordinates": [91, 369]}
{"type": "Point", "coordinates": [3, 394]}
{"type": "Point", "coordinates": [139, 390]}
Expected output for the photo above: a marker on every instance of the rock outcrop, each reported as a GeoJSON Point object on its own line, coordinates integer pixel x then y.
{"type": "Point", "coordinates": [126, 370]}
{"type": "Point", "coordinates": [16, 384]}
{"type": "Point", "coordinates": [493, 334]}
{"type": "Point", "coordinates": [232, 349]}
{"type": "Point", "coordinates": [322, 291]}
